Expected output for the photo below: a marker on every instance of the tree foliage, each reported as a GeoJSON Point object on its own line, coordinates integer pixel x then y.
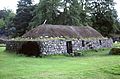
{"type": "Point", "coordinates": [64, 12]}
{"type": "Point", "coordinates": [23, 16]}
{"type": "Point", "coordinates": [2, 23]}
{"type": "Point", "coordinates": [46, 10]}
{"type": "Point", "coordinates": [6, 16]}
{"type": "Point", "coordinates": [103, 15]}
{"type": "Point", "coordinates": [100, 14]}
{"type": "Point", "coordinates": [73, 14]}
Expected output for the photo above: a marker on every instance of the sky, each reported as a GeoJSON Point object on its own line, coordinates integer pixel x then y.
{"type": "Point", "coordinates": [12, 4]}
{"type": "Point", "coordinates": [117, 7]}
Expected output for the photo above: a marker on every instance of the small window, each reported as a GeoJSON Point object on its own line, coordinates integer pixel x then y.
{"type": "Point", "coordinates": [83, 43]}
{"type": "Point", "coordinates": [100, 42]}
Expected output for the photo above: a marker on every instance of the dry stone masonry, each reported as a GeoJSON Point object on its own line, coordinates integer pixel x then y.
{"type": "Point", "coordinates": [60, 46]}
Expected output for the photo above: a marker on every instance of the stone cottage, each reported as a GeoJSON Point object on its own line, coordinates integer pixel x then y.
{"type": "Point", "coordinates": [58, 39]}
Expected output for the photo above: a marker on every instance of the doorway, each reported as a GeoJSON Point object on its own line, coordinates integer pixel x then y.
{"type": "Point", "coordinates": [30, 48]}
{"type": "Point", "coordinates": [69, 47]}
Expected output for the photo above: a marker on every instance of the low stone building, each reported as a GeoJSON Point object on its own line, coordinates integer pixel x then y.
{"type": "Point", "coordinates": [58, 39]}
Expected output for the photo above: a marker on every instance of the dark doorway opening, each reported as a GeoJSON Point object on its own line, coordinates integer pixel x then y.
{"type": "Point", "coordinates": [30, 48]}
{"type": "Point", "coordinates": [83, 45]}
{"type": "Point", "coordinates": [100, 42]}
{"type": "Point", "coordinates": [69, 47]}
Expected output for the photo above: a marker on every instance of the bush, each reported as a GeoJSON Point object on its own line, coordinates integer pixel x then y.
{"type": "Point", "coordinates": [76, 53]}
{"type": "Point", "coordinates": [115, 51]}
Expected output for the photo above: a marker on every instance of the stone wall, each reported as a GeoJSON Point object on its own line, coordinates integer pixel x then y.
{"type": "Point", "coordinates": [91, 44]}
{"type": "Point", "coordinates": [13, 45]}
{"type": "Point", "coordinates": [16, 45]}
{"type": "Point", "coordinates": [60, 47]}
{"type": "Point", "coordinates": [54, 47]}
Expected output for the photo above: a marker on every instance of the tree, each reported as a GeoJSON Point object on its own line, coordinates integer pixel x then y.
{"type": "Point", "coordinates": [60, 12]}
{"type": "Point", "coordinates": [103, 15]}
{"type": "Point", "coordinates": [23, 16]}
{"type": "Point", "coordinates": [6, 16]}
{"type": "Point", "coordinates": [2, 23]}
{"type": "Point", "coordinates": [73, 13]}
{"type": "Point", "coordinates": [46, 10]}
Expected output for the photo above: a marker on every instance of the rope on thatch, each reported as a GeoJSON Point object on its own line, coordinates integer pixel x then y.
{"type": "Point", "coordinates": [44, 22]}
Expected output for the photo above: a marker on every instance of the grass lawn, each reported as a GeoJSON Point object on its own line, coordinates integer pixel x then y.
{"type": "Point", "coordinates": [93, 65]}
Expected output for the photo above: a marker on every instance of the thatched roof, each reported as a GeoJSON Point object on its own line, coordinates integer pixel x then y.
{"type": "Point", "coordinates": [62, 30]}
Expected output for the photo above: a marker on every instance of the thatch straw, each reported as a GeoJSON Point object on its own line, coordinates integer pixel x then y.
{"type": "Point", "coordinates": [64, 31]}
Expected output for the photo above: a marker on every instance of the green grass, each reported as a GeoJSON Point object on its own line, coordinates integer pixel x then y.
{"type": "Point", "coordinates": [2, 45]}
{"type": "Point", "coordinates": [93, 65]}
{"type": "Point", "coordinates": [116, 44]}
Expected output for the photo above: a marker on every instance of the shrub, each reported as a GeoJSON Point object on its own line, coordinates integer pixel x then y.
{"type": "Point", "coordinates": [76, 53]}
{"type": "Point", "coordinates": [115, 51]}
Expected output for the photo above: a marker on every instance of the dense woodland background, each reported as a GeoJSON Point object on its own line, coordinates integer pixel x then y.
{"type": "Point", "coordinates": [99, 14]}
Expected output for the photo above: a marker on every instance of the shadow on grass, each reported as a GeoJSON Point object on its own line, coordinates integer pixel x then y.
{"type": "Point", "coordinates": [115, 70]}
{"type": "Point", "coordinates": [87, 53]}
{"type": "Point", "coordinates": [99, 52]}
